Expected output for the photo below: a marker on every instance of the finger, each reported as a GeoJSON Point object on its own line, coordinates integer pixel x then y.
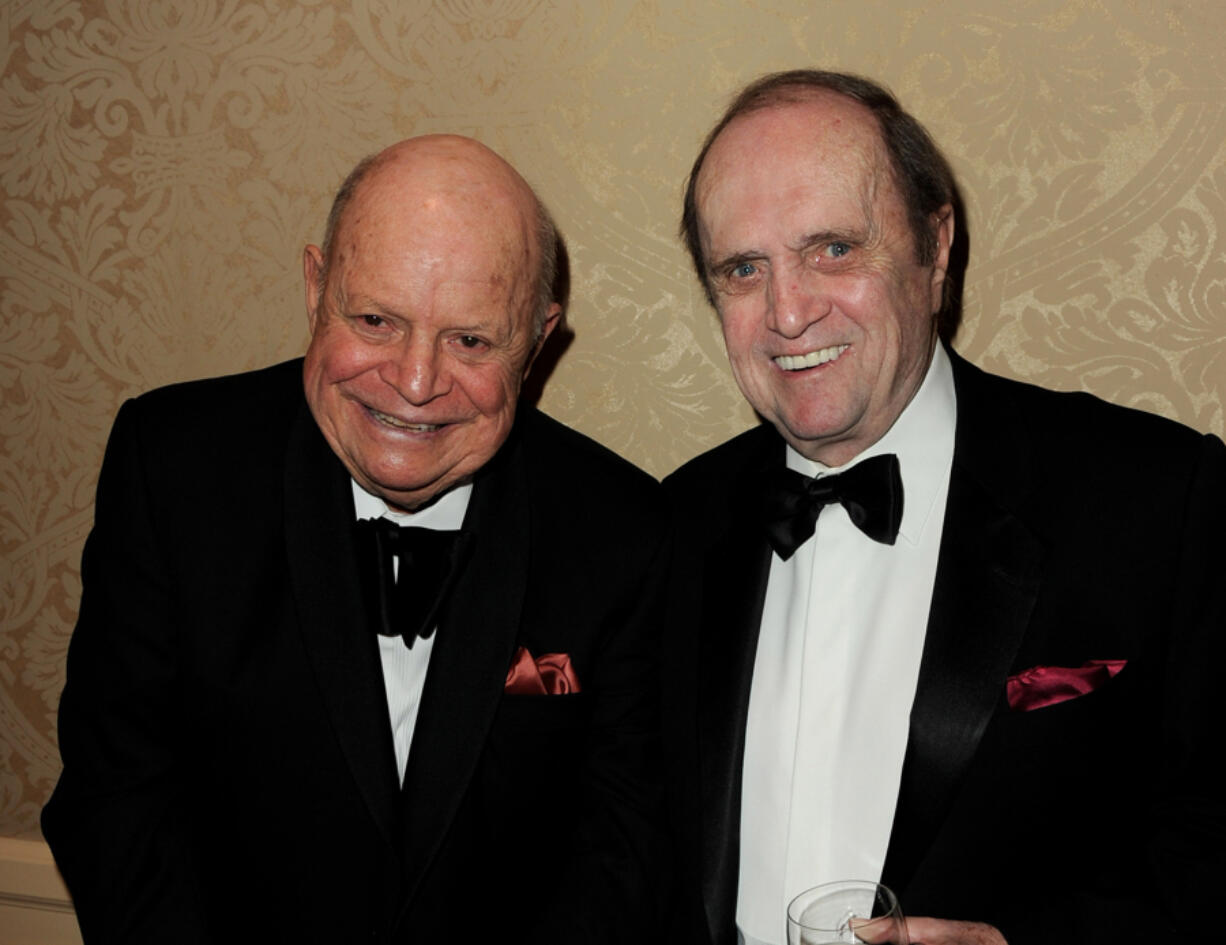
{"type": "Point", "coordinates": [877, 931]}
{"type": "Point", "coordinates": [927, 931]}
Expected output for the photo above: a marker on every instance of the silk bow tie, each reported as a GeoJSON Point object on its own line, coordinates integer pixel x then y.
{"type": "Point", "coordinates": [870, 491]}
{"type": "Point", "coordinates": [408, 600]}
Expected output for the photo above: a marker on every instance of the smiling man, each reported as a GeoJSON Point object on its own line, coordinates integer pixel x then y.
{"type": "Point", "coordinates": [925, 629]}
{"type": "Point", "coordinates": [365, 645]}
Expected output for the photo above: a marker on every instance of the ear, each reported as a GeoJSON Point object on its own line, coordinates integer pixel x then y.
{"type": "Point", "coordinates": [312, 277]}
{"type": "Point", "coordinates": [552, 317]}
{"type": "Point", "coordinates": [943, 224]}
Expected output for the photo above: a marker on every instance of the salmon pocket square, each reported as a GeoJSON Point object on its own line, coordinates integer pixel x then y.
{"type": "Point", "coordinates": [1042, 686]}
{"type": "Point", "coordinates": [547, 675]}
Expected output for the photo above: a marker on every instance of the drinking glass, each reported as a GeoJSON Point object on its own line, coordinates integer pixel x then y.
{"type": "Point", "coordinates": [851, 911]}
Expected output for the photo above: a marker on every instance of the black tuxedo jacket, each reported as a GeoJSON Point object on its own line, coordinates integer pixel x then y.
{"type": "Point", "coordinates": [228, 765]}
{"type": "Point", "coordinates": [1074, 531]}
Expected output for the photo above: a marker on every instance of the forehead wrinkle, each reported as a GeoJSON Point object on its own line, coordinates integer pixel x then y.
{"type": "Point", "coordinates": [845, 151]}
{"type": "Point", "coordinates": [879, 185]}
{"type": "Point", "coordinates": [336, 291]}
{"type": "Point", "coordinates": [443, 204]}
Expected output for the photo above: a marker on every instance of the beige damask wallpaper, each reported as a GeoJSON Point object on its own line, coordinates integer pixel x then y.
{"type": "Point", "coordinates": [163, 161]}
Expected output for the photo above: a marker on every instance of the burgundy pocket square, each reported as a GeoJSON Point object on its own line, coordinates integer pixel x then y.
{"type": "Point", "coordinates": [547, 675]}
{"type": "Point", "coordinates": [1042, 686]}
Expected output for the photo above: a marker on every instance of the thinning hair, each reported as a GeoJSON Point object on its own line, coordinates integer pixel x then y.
{"type": "Point", "coordinates": [548, 240]}
{"type": "Point", "coordinates": [921, 173]}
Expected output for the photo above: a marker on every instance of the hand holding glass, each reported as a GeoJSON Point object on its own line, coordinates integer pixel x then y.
{"type": "Point", "coordinates": [851, 911]}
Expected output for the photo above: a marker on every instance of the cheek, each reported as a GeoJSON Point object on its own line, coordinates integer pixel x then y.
{"type": "Point", "coordinates": [889, 309]}
{"type": "Point", "coordinates": [313, 380]}
{"type": "Point", "coordinates": [332, 357]}
{"type": "Point", "coordinates": [348, 363]}
{"type": "Point", "coordinates": [915, 319]}
{"type": "Point", "coordinates": [738, 327]}
{"type": "Point", "coordinates": [491, 388]}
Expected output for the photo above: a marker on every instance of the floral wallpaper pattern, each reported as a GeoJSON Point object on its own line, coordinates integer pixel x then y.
{"type": "Point", "coordinates": [164, 161]}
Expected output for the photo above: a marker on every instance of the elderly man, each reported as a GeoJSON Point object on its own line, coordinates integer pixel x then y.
{"type": "Point", "coordinates": [933, 628]}
{"type": "Point", "coordinates": [370, 664]}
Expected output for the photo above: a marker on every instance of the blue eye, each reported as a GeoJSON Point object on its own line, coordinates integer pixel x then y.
{"type": "Point", "coordinates": [839, 249]}
{"type": "Point", "coordinates": [744, 270]}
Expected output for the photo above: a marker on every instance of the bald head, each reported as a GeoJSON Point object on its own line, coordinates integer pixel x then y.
{"type": "Point", "coordinates": [427, 306]}
{"type": "Point", "coordinates": [478, 186]}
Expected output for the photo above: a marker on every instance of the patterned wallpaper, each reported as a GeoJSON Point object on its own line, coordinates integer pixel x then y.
{"type": "Point", "coordinates": [164, 161]}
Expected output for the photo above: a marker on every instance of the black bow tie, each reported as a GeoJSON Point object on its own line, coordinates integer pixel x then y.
{"type": "Point", "coordinates": [408, 601]}
{"type": "Point", "coordinates": [870, 491]}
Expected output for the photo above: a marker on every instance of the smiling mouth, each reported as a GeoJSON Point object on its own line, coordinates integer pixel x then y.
{"type": "Point", "coordinates": [399, 424]}
{"type": "Point", "coordinates": [798, 362]}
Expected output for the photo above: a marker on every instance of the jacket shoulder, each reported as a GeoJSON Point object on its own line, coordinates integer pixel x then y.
{"type": "Point", "coordinates": [251, 393]}
{"type": "Point", "coordinates": [236, 412]}
{"type": "Point", "coordinates": [578, 485]}
{"type": "Point", "coordinates": [201, 441]}
{"type": "Point", "coordinates": [1071, 427]}
{"type": "Point", "coordinates": [555, 452]}
{"type": "Point", "coordinates": [721, 467]}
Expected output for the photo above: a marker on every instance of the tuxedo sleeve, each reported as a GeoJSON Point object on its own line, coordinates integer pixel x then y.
{"type": "Point", "coordinates": [1179, 830]}
{"type": "Point", "coordinates": [1188, 846]}
{"type": "Point", "coordinates": [612, 890]}
{"type": "Point", "coordinates": [115, 822]}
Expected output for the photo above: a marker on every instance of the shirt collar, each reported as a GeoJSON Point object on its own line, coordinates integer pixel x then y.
{"type": "Point", "coordinates": [447, 513]}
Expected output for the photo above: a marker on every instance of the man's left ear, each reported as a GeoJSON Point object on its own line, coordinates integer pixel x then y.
{"type": "Point", "coordinates": [552, 317]}
{"type": "Point", "coordinates": [943, 230]}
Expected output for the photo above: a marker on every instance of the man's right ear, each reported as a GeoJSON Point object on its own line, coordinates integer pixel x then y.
{"type": "Point", "coordinates": [313, 279]}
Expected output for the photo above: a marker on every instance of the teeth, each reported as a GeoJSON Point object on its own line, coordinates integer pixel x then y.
{"type": "Point", "coordinates": [400, 424]}
{"type": "Point", "coordinates": [797, 362]}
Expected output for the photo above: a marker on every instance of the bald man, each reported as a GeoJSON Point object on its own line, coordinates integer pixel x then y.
{"type": "Point", "coordinates": [360, 656]}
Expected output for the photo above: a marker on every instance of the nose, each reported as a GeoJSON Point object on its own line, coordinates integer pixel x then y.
{"type": "Point", "coordinates": [796, 299]}
{"type": "Point", "coordinates": [417, 371]}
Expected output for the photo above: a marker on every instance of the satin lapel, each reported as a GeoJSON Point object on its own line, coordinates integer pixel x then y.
{"type": "Point", "coordinates": [734, 589]}
{"type": "Point", "coordinates": [332, 615]}
{"type": "Point", "coordinates": [988, 577]}
{"type": "Point", "coordinates": [469, 662]}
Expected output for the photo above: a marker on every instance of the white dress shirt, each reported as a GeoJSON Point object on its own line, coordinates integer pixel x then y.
{"type": "Point", "coordinates": [834, 678]}
{"type": "Point", "coordinates": [404, 668]}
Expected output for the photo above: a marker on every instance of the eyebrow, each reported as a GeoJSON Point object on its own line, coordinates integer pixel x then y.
{"type": "Point", "coordinates": [365, 305]}
{"type": "Point", "coordinates": [727, 263]}
{"type": "Point", "coordinates": [361, 303]}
